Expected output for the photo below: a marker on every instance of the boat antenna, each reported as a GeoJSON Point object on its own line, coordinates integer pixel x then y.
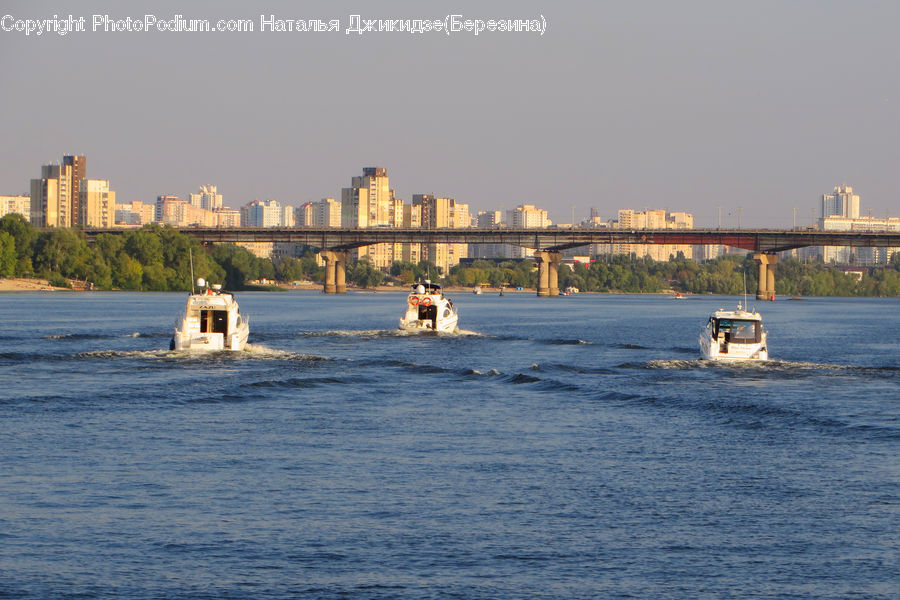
{"type": "Point", "coordinates": [745, 289]}
{"type": "Point", "coordinates": [191, 257]}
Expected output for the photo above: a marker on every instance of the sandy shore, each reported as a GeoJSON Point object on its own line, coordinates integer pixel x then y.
{"type": "Point", "coordinates": [22, 284]}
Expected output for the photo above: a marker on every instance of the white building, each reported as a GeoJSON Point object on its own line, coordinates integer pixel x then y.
{"type": "Point", "coordinates": [529, 217]}
{"type": "Point", "coordinates": [324, 213]}
{"type": "Point", "coordinates": [207, 198]}
{"type": "Point", "coordinates": [842, 203]}
{"type": "Point", "coordinates": [97, 203]}
{"type": "Point", "coordinates": [260, 213]}
{"type": "Point", "coordinates": [15, 204]}
{"type": "Point", "coordinates": [840, 212]}
{"type": "Point", "coordinates": [651, 219]}
{"type": "Point", "coordinates": [860, 256]}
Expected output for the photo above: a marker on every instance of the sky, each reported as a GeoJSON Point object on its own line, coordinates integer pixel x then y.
{"type": "Point", "coordinates": [748, 110]}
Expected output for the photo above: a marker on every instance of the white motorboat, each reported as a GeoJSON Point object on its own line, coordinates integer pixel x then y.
{"type": "Point", "coordinates": [212, 320]}
{"type": "Point", "coordinates": [427, 309]}
{"type": "Point", "coordinates": [734, 335]}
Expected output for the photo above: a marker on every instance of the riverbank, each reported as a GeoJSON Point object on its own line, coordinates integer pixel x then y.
{"type": "Point", "coordinates": [24, 284]}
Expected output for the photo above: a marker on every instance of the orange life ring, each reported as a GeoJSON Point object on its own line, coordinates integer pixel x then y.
{"type": "Point", "coordinates": [426, 301]}
{"type": "Point", "coordinates": [414, 301]}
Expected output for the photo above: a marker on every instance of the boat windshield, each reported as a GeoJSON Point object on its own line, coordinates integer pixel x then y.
{"type": "Point", "coordinates": [741, 331]}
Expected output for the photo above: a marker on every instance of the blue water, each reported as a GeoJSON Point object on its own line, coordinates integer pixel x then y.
{"type": "Point", "coordinates": [556, 448]}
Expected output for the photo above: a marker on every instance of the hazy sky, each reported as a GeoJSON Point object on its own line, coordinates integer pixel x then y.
{"type": "Point", "coordinates": [761, 106]}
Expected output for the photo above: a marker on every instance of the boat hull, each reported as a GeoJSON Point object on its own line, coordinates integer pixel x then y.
{"type": "Point", "coordinates": [210, 342]}
{"type": "Point", "coordinates": [711, 349]}
{"type": "Point", "coordinates": [444, 325]}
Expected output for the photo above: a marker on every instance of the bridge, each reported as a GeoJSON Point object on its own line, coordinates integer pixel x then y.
{"type": "Point", "coordinates": [334, 242]}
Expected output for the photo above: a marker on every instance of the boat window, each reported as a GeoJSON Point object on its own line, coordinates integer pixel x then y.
{"type": "Point", "coordinates": [745, 331]}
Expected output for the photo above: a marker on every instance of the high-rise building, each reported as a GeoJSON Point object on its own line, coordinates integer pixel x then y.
{"type": "Point", "coordinates": [527, 216]}
{"type": "Point", "coordinates": [489, 218]}
{"type": "Point", "coordinates": [370, 202]}
{"type": "Point", "coordinates": [438, 213]}
{"type": "Point", "coordinates": [651, 219]}
{"type": "Point", "coordinates": [78, 163]}
{"type": "Point", "coordinates": [841, 203]}
{"type": "Point", "coordinates": [56, 196]}
{"type": "Point", "coordinates": [303, 215]}
{"type": "Point", "coordinates": [15, 204]}
{"type": "Point", "coordinates": [261, 214]}
{"type": "Point", "coordinates": [287, 216]}
{"type": "Point", "coordinates": [51, 197]}
{"type": "Point", "coordinates": [97, 203]}
{"type": "Point", "coordinates": [840, 212]}
{"type": "Point", "coordinates": [324, 213]}
{"type": "Point", "coordinates": [227, 217]}
{"type": "Point", "coordinates": [207, 198]}
{"type": "Point", "coordinates": [412, 218]}
{"type": "Point", "coordinates": [328, 213]}
{"type": "Point", "coordinates": [167, 207]}
{"type": "Point", "coordinates": [135, 213]}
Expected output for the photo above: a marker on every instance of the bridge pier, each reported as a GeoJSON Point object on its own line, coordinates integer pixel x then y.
{"type": "Point", "coordinates": [548, 272]}
{"type": "Point", "coordinates": [766, 288]}
{"type": "Point", "coordinates": [335, 271]}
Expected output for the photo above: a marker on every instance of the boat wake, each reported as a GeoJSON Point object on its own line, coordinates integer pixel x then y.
{"type": "Point", "coordinates": [386, 333]}
{"type": "Point", "coordinates": [250, 352]}
{"type": "Point", "coordinates": [767, 366]}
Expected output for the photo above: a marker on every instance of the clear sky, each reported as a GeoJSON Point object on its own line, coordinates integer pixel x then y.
{"type": "Point", "coordinates": [755, 107]}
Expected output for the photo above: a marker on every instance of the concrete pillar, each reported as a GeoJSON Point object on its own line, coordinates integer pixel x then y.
{"type": "Point", "coordinates": [765, 290]}
{"type": "Point", "coordinates": [340, 273]}
{"type": "Point", "coordinates": [555, 259]}
{"type": "Point", "coordinates": [335, 271]}
{"type": "Point", "coordinates": [541, 258]}
{"type": "Point", "coordinates": [548, 272]}
{"type": "Point", "coordinates": [331, 258]}
{"type": "Point", "coordinates": [761, 279]}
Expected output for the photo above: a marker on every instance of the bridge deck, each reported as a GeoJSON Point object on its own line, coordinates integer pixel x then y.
{"type": "Point", "coordinates": [338, 238]}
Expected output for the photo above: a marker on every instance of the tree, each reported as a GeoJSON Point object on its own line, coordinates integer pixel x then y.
{"type": "Point", "coordinates": [289, 269]}
{"type": "Point", "coordinates": [239, 264]}
{"type": "Point", "coordinates": [127, 273]}
{"type": "Point", "coordinates": [7, 255]}
{"type": "Point", "coordinates": [62, 251]}
{"type": "Point", "coordinates": [24, 236]}
{"type": "Point", "coordinates": [364, 274]}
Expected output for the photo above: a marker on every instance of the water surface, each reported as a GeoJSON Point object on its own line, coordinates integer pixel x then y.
{"type": "Point", "coordinates": [556, 448]}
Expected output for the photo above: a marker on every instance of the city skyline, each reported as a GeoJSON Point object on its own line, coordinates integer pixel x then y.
{"type": "Point", "coordinates": [208, 198]}
{"type": "Point", "coordinates": [699, 107]}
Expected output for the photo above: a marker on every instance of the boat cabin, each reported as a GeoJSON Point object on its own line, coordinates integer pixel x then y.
{"type": "Point", "coordinates": [735, 331]}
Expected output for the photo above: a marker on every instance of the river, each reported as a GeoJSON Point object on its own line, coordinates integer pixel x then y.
{"type": "Point", "coordinates": [565, 448]}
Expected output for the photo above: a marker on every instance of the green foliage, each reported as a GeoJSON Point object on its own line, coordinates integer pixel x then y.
{"type": "Point", "coordinates": [239, 264]}
{"type": "Point", "coordinates": [7, 255]}
{"type": "Point", "coordinates": [24, 235]}
{"type": "Point", "coordinates": [364, 274]}
{"type": "Point", "coordinates": [299, 269]}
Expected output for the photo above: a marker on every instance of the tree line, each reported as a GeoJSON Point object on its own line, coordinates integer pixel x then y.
{"type": "Point", "coordinates": [153, 258]}
{"type": "Point", "coordinates": [158, 258]}
{"type": "Point", "coordinates": [726, 275]}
